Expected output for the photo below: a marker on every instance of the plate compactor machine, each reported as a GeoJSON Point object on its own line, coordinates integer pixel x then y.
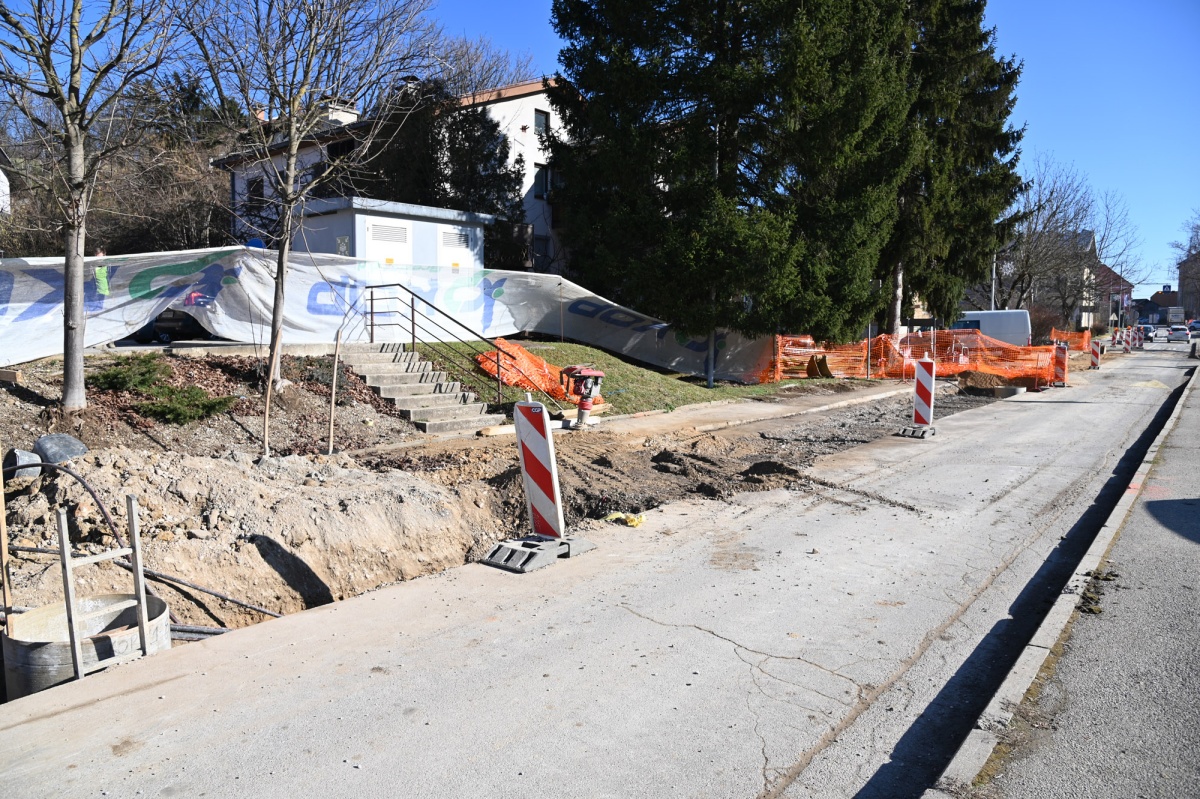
{"type": "Point", "coordinates": [583, 382]}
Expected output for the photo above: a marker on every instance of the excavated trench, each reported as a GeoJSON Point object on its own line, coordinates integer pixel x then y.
{"type": "Point", "coordinates": [296, 532]}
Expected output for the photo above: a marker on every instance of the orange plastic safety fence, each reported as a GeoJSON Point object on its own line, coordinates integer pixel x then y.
{"type": "Point", "coordinates": [954, 351]}
{"type": "Point", "coordinates": [521, 368]}
{"type": "Point", "coordinates": [1077, 342]}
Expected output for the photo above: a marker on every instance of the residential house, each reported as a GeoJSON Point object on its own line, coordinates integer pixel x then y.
{"type": "Point", "coordinates": [1189, 286]}
{"type": "Point", "coordinates": [1112, 298]}
{"type": "Point", "coordinates": [525, 115]}
{"type": "Point", "coordinates": [396, 232]}
{"type": "Point", "coordinates": [1048, 271]}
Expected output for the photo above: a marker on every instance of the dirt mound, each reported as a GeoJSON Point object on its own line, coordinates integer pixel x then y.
{"type": "Point", "coordinates": [980, 380]}
{"type": "Point", "coordinates": [300, 415]}
{"type": "Point", "coordinates": [285, 534]}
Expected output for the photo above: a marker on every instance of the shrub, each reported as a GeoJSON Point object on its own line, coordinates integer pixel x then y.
{"type": "Point", "coordinates": [139, 373]}
{"type": "Point", "coordinates": [183, 405]}
{"type": "Point", "coordinates": [144, 375]}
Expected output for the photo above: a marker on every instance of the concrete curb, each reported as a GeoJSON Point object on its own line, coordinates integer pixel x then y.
{"type": "Point", "coordinates": [707, 428]}
{"type": "Point", "coordinates": [974, 753]}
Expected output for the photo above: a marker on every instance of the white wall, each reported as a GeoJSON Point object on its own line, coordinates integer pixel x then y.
{"type": "Point", "coordinates": [243, 174]}
{"type": "Point", "coordinates": [515, 116]}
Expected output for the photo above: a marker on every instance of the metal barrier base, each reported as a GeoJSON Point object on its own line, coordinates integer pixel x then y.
{"type": "Point", "coordinates": [522, 555]}
{"type": "Point", "coordinates": [917, 432]}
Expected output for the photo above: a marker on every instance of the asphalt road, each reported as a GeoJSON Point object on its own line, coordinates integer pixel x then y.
{"type": "Point", "coordinates": [1121, 713]}
{"type": "Point", "coordinates": [826, 641]}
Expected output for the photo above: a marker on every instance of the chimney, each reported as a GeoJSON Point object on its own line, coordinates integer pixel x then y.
{"type": "Point", "coordinates": [338, 113]}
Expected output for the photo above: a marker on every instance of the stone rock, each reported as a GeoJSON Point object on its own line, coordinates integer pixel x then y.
{"type": "Point", "coordinates": [59, 448]}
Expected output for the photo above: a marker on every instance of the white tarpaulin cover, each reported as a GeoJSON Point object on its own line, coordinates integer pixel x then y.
{"type": "Point", "coordinates": [229, 291]}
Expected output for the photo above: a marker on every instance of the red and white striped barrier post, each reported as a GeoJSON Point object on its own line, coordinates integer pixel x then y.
{"type": "Point", "coordinates": [539, 475]}
{"type": "Point", "coordinates": [1095, 354]}
{"type": "Point", "coordinates": [1140, 340]}
{"type": "Point", "coordinates": [1126, 336]}
{"type": "Point", "coordinates": [1060, 364]}
{"type": "Point", "coordinates": [539, 468]}
{"type": "Point", "coordinates": [922, 426]}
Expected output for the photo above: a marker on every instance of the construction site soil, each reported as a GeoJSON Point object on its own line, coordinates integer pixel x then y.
{"type": "Point", "coordinates": [303, 529]}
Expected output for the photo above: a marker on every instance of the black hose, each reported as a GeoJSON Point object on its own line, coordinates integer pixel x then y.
{"type": "Point", "coordinates": [95, 497]}
{"type": "Point", "coordinates": [167, 578]}
{"type": "Point", "coordinates": [172, 579]}
{"type": "Point", "coordinates": [191, 628]}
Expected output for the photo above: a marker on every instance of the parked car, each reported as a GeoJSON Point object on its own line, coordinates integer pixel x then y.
{"type": "Point", "coordinates": [1178, 333]}
{"type": "Point", "coordinates": [175, 324]}
{"type": "Point", "coordinates": [1194, 325]}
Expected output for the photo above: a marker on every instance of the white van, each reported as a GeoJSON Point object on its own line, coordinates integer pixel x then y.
{"type": "Point", "coordinates": [1011, 327]}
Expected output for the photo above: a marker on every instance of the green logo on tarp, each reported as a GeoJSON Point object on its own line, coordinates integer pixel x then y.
{"type": "Point", "coordinates": [141, 287]}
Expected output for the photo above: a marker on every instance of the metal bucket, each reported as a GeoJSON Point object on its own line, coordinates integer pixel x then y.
{"type": "Point", "coordinates": [38, 655]}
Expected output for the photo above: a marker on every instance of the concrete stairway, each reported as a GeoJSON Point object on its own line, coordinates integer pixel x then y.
{"type": "Point", "coordinates": [423, 396]}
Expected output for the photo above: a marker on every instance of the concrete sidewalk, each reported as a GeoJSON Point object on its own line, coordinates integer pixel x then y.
{"type": "Point", "coordinates": [1107, 702]}
{"type": "Point", "coordinates": [708, 416]}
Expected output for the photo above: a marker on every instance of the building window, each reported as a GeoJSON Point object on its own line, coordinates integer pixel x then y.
{"type": "Point", "coordinates": [541, 180]}
{"type": "Point", "coordinates": [541, 253]}
{"type": "Point", "coordinates": [256, 197]}
{"type": "Point", "coordinates": [541, 122]}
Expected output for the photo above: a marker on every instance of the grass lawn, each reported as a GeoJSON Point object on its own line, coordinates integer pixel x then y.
{"type": "Point", "coordinates": [628, 387]}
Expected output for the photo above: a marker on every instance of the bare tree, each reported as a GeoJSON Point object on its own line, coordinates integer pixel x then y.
{"type": "Point", "coordinates": [1188, 265]}
{"type": "Point", "coordinates": [1051, 249]}
{"type": "Point", "coordinates": [67, 67]}
{"type": "Point", "coordinates": [288, 74]}
{"type": "Point", "coordinates": [1066, 233]}
{"type": "Point", "coordinates": [472, 66]}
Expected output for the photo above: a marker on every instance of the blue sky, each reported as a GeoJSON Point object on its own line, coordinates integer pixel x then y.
{"type": "Point", "coordinates": [1110, 87]}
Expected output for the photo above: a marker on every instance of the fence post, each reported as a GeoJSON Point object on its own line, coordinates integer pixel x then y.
{"type": "Point", "coordinates": [778, 358]}
{"type": "Point", "coordinates": [371, 319]}
{"type": "Point", "coordinates": [499, 382]}
{"type": "Point", "coordinates": [412, 319]}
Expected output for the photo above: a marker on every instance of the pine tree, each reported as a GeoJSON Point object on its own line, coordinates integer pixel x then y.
{"type": "Point", "coordinates": [732, 163]}
{"type": "Point", "coordinates": [953, 202]}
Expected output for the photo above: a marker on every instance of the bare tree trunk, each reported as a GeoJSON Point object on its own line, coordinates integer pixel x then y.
{"type": "Point", "coordinates": [74, 396]}
{"type": "Point", "coordinates": [896, 304]}
{"type": "Point", "coordinates": [276, 332]}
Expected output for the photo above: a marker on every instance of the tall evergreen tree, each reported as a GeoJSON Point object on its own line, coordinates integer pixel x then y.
{"type": "Point", "coordinates": [731, 163]}
{"type": "Point", "coordinates": [952, 204]}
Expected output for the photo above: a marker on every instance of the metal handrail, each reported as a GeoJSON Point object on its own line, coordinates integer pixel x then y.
{"type": "Point", "coordinates": [414, 325]}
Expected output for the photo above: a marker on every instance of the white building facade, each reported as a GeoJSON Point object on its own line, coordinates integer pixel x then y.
{"type": "Point", "coordinates": [524, 113]}
{"type": "Point", "coordinates": [358, 227]}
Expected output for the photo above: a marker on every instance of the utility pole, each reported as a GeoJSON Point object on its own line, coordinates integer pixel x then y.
{"type": "Point", "coordinates": [993, 281]}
